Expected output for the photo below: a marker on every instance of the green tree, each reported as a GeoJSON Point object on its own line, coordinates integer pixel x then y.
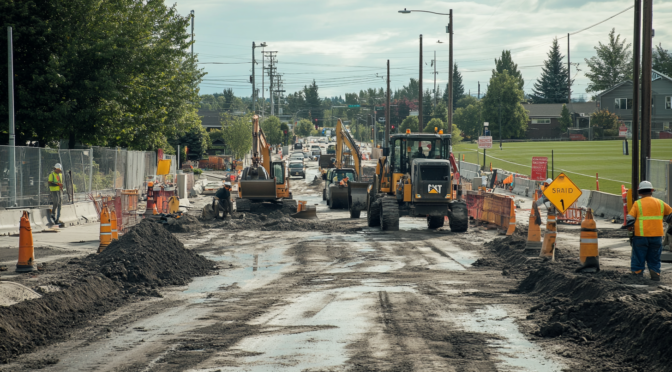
{"type": "Point", "coordinates": [456, 134]}
{"type": "Point", "coordinates": [238, 133]}
{"type": "Point", "coordinates": [458, 87]}
{"type": "Point", "coordinates": [426, 107]}
{"type": "Point", "coordinates": [506, 63]}
{"type": "Point", "coordinates": [465, 101]}
{"type": "Point", "coordinates": [313, 101]}
{"type": "Point", "coordinates": [565, 119]}
{"type": "Point", "coordinates": [503, 98]}
{"type": "Point", "coordinates": [286, 135]}
{"type": "Point", "coordinates": [662, 60]}
{"type": "Point", "coordinates": [411, 122]}
{"type": "Point", "coordinates": [606, 122]}
{"type": "Point", "coordinates": [440, 111]}
{"type": "Point", "coordinates": [551, 87]}
{"type": "Point", "coordinates": [469, 119]}
{"type": "Point", "coordinates": [196, 139]}
{"type": "Point", "coordinates": [272, 130]}
{"type": "Point", "coordinates": [435, 123]}
{"type": "Point", "coordinates": [303, 128]}
{"type": "Point", "coordinates": [611, 65]}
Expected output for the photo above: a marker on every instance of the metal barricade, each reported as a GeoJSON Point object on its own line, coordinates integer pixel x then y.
{"type": "Point", "coordinates": [127, 212]}
{"type": "Point", "coordinates": [572, 216]}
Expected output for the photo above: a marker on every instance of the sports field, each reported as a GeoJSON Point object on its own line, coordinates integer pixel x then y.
{"type": "Point", "coordinates": [580, 160]}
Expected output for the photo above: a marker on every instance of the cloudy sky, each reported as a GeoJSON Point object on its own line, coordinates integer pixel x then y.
{"type": "Point", "coordinates": [344, 44]}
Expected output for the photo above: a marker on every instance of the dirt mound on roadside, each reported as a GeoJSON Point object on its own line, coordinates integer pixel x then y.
{"type": "Point", "coordinates": [185, 224]}
{"type": "Point", "coordinates": [148, 253]}
{"type": "Point", "coordinates": [279, 221]}
{"type": "Point", "coordinates": [33, 323]}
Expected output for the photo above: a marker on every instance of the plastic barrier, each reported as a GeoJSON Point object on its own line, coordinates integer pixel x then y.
{"type": "Point", "coordinates": [606, 205]}
{"type": "Point", "coordinates": [572, 216]}
{"type": "Point", "coordinates": [497, 210]}
{"type": "Point", "coordinates": [474, 204]}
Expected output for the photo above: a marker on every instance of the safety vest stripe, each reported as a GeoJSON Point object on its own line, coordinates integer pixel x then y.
{"type": "Point", "coordinates": [105, 224]}
{"type": "Point", "coordinates": [589, 241]}
{"type": "Point", "coordinates": [105, 233]}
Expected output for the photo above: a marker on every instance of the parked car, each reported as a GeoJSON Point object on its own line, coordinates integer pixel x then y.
{"type": "Point", "coordinates": [297, 169]}
{"type": "Point", "coordinates": [296, 156]}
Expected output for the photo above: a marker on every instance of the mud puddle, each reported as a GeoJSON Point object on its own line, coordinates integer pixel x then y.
{"type": "Point", "coordinates": [515, 352]}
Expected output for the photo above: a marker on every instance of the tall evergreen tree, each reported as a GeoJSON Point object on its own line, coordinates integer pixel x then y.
{"type": "Point", "coordinates": [506, 63]}
{"type": "Point", "coordinates": [427, 102]}
{"type": "Point", "coordinates": [662, 60]}
{"type": "Point", "coordinates": [313, 101]}
{"type": "Point", "coordinates": [551, 87]}
{"type": "Point", "coordinates": [458, 88]}
{"type": "Point", "coordinates": [611, 65]}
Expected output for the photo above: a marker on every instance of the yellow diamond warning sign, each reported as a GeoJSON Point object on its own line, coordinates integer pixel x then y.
{"type": "Point", "coordinates": [562, 192]}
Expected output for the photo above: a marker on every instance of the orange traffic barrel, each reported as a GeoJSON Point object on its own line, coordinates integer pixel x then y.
{"type": "Point", "coordinates": [534, 231]}
{"type": "Point", "coordinates": [26, 250]}
{"type": "Point", "coordinates": [105, 229]}
{"type": "Point", "coordinates": [548, 246]}
{"type": "Point", "coordinates": [588, 252]}
{"type": "Point", "coordinates": [113, 225]}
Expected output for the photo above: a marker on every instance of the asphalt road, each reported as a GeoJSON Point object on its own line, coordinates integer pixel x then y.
{"type": "Point", "coordinates": [322, 300]}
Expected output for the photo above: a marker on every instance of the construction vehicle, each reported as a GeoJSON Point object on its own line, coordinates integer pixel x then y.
{"type": "Point", "coordinates": [419, 178]}
{"type": "Point", "coordinates": [342, 184]}
{"type": "Point", "coordinates": [265, 180]}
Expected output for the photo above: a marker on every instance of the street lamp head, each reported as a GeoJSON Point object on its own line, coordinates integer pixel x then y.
{"type": "Point", "coordinates": [263, 45]}
{"type": "Point", "coordinates": [405, 11]}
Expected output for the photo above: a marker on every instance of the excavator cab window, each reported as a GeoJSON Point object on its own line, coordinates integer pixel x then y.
{"type": "Point", "coordinates": [279, 173]}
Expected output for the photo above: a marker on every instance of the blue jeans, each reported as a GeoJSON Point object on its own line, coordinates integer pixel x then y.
{"type": "Point", "coordinates": [646, 249]}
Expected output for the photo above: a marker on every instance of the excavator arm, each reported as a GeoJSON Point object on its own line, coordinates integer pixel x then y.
{"type": "Point", "coordinates": [344, 139]}
{"type": "Point", "coordinates": [261, 150]}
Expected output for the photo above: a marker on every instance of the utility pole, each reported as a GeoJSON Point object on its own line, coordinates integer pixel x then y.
{"type": "Point", "coordinates": [479, 90]}
{"type": "Point", "coordinates": [635, 99]}
{"type": "Point", "coordinates": [386, 141]}
{"type": "Point", "coordinates": [254, 108]}
{"type": "Point", "coordinates": [500, 123]}
{"type": "Point", "coordinates": [569, 75]}
{"type": "Point", "coordinates": [450, 73]}
{"type": "Point", "coordinates": [420, 89]}
{"type": "Point", "coordinates": [263, 93]}
{"type": "Point", "coordinates": [647, 26]}
{"type": "Point", "coordinates": [10, 109]}
{"type": "Point", "coordinates": [192, 34]}
{"type": "Point", "coordinates": [271, 71]}
{"type": "Point", "coordinates": [434, 63]}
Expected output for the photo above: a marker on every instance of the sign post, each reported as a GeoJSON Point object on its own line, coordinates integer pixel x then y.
{"type": "Point", "coordinates": [562, 192]}
{"type": "Point", "coordinates": [539, 168]}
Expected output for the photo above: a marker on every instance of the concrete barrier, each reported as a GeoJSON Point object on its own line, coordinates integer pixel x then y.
{"type": "Point", "coordinates": [10, 220]}
{"type": "Point", "coordinates": [584, 199]}
{"type": "Point", "coordinates": [606, 205]}
{"type": "Point", "coordinates": [86, 212]}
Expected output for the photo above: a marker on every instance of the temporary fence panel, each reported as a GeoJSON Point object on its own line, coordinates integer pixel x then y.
{"type": "Point", "coordinates": [572, 216]}
{"type": "Point", "coordinates": [657, 172]}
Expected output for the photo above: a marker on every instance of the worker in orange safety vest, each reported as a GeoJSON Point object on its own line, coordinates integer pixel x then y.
{"type": "Point", "coordinates": [646, 220]}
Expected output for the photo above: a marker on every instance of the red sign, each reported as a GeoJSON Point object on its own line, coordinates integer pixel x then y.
{"type": "Point", "coordinates": [622, 131]}
{"type": "Point", "coordinates": [485, 142]}
{"type": "Point", "coordinates": [577, 137]}
{"type": "Point", "coordinates": [539, 168]}
{"type": "Point", "coordinates": [160, 154]}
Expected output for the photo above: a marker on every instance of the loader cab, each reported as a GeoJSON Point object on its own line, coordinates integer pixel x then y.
{"type": "Point", "coordinates": [407, 147]}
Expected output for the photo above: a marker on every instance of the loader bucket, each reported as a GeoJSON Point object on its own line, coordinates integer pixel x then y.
{"type": "Point", "coordinates": [258, 189]}
{"type": "Point", "coordinates": [338, 196]}
{"type": "Point", "coordinates": [357, 192]}
{"type": "Point", "coordinates": [310, 213]}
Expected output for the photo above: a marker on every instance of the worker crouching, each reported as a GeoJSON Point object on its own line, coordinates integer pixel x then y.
{"type": "Point", "coordinates": [646, 220]}
{"type": "Point", "coordinates": [224, 204]}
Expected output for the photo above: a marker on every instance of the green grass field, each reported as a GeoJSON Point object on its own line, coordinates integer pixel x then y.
{"type": "Point", "coordinates": [580, 160]}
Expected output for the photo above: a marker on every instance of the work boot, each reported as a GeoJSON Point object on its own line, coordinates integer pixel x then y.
{"type": "Point", "coordinates": [654, 276]}
{"type": "Point", "coordinates": [639, 273]}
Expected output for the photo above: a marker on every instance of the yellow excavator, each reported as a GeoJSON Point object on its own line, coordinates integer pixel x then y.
{"type": "Point", "coordinates": [418, 177]}
{"type": "Point", "coordinates": [265, 180]}
{"type": "Point", "coordinates": [342, 183]}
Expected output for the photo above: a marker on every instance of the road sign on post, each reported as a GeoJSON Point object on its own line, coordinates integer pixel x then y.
{"type": "Point", "coordinates": [485, 142]}
{"type": "Point", "coordinates": [622, 131]}
{"type": "Point", "coordinates": [562, 192]}
{"type": "Point", "coordinates": [539, 168]}
{"type": "Point", "coordinates": [353, 106]}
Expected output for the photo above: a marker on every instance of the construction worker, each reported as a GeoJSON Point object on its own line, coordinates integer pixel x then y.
{"type": "Point", "coordinates": [543, 199]}
{"type": "Point", "coordinates": [344, 181]}
{"type": "Point", "coordinates": [56, 192]}
{"type": "Point", "coordinates": [646, 219]}
{"type": "Point", "coordinates": [224, 196]}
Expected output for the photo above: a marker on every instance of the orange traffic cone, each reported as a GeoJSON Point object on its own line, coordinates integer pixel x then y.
{"type": "Point", "coordinates": [512, 219]}
{"type": "Point", "coordinates": [588, 252]}
{"type": "Point", "coordinates": [155, 211]}
{"type": "Point", "coordinates": [534, 231]}
{"type": "Point", "coordinates": [548, 246]}
{"type": "Point", "coordinates": [113, 225]}
{"type": "Point", "coordinates": [105, 229]}
{"type": "Point", "coordinates": [26, 249]}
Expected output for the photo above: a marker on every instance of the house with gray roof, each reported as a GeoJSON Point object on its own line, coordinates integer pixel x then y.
{"type": "Point", "coordinates": [618, 99]}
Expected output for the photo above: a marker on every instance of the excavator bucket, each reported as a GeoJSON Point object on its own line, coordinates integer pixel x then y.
{"type": "Point", "coordinates": [306, 212]}
{"type": "Point", "coordinates": [357, 196]}
{"type": "Point", "coordinates": [258, 189]}
{"type": "Point", "coordinates": [338, 197]}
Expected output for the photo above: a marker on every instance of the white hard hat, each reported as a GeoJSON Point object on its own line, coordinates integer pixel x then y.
{"type": "Point", "coordinates": [548, 181]}
{"type": "Point", "coordinates": [58, 166]}
{"type": "Point", "coordinates": [227, 183]}
{"type": "Point", "coordinates": [645, 185]}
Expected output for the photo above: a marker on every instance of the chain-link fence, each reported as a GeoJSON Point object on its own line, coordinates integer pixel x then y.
{"type": "Point", "coordinates": [97, 169]}
{"type": "Point", "coordinates": [657, 172]}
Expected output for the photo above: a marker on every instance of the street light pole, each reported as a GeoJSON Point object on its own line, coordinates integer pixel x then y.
{"type": "Point", "coordinates": [253, 82]}
{"type": "Point", "coordinates": [420, 89]}
{"type": "Point", "coordinates": [450, 72]}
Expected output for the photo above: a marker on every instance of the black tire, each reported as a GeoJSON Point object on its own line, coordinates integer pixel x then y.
{"type": "Point", "coordinates": [458, 217]}
{"type": "Point", "coordinates": [435, 222]}
{"type": "Point", "coordinates": [389, 214]}
{"type": "Point", "coordinates": [373, 213]}
{"type": "Point", "coordinates": [243, 205]}
{"type": "Point", "coordinates": [324, 194]}
{"type": "Point", "coordinates": [330, 203]}
{"type": "Point", "coordinates": [304, 176]}
{"type": "Point", "coordinates": [355, 214]}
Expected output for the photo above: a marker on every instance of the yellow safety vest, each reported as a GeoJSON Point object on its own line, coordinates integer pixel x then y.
{"type": "Point", "coordinates": [649, 213]}
{"type": "Point", "coordinates": [55, 178]}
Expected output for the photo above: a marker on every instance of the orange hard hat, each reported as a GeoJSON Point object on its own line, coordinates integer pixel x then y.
{"type": "Point", "coordinates": [151, 184]}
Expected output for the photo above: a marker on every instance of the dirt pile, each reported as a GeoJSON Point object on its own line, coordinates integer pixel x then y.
{"type": "Point", "coordinates": [279, 221]}
{"type": "Point", "coordinates": [185, 224]}
{"type": "Point", "coordinates": [148, 253]}
{"type": "Point", "coordinates": [30, 324]}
